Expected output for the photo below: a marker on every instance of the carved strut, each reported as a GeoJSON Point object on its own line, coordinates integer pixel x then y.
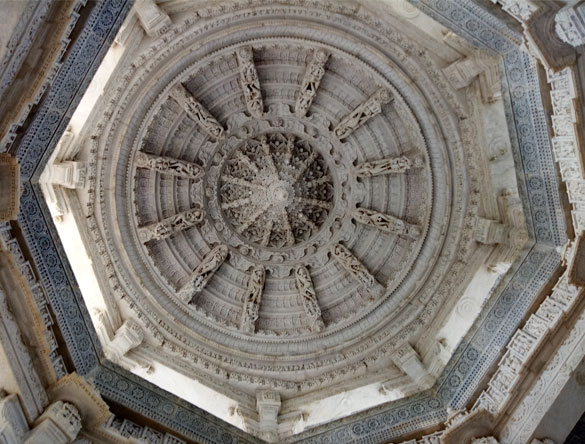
{"type": "Point", "coordinates": [197, 111]}
{"type": "Point", "coordinates": [352, 265]}
{"type": "Point", "coordinates": [385, 222]}
{"type": "Point", "coordinates": [252, 299]}
{"type": "Point", "coordinates": [305, 288]}
{"type": "Point", "coordinates": [170, 225]}
{"type": "Point", "coordinates": [204, 272]}
{"type": "Point", "coordinates": [311, 80]}
{"type": "Point", "coordinates": [363, 113]}
{"type": "Point", "coordinates": [168, 165]}
{"type": "Point", "coordinates": [249, 81]}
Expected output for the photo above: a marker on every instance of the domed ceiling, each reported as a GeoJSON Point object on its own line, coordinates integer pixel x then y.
{"type": "Point", "coordinates": [282, 205]}
{"type": "Point", "coordinates": [289, 198]}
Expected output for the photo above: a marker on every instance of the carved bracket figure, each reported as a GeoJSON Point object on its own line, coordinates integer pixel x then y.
{"type": "Point", "coordinates": [306, 289]}
{"type": "Point", "coordinates": [311, 80]}
{"type": "Point", "coordinates": [170, 225]}
{"type": "Point", "coordinates": [168, 165]}
{"type": "Point", "coordinates": [385, 222]}
{"type": "Point", "coordinates": [252, 299]}
{"type": "Point", "coordinates": [250, 81]}
{"type": "Point", "coordinates": [363, 113]}
{"type": "Point", "coordinates": [352, 265]}
{"type": "Point", "coordinates": [197, 111]}
{"type": "Point", "coordinates": [204, 271]}
{"type": "Point", "coordinates": [387, 166]}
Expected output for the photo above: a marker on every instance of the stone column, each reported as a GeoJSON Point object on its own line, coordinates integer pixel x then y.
{"type": "Point", "coordinates": [59, 424]}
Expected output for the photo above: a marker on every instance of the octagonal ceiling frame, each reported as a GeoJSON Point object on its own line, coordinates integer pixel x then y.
{"type": "Point", "coordinates": [473, 358]}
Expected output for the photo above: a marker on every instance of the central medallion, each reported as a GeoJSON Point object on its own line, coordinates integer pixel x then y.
{"type": "Point", "coordinates": [276, 190]}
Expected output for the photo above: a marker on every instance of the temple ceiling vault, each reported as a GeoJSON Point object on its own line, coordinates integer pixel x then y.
{"type": "Point", "coordinates": [288, 202]}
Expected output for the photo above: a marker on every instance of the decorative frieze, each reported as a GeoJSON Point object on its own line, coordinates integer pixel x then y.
{"type": "Point", "coordinates": [567, 142]}
{"type": "Point", "coordinates": [130, 430]}
{"type": "Point", "coordinates": [19, 365]}
{"type": "Point", "coordinates": [40, 299]}
{"type": "Point", "coordinates": [311, 80]}
{"type": "Point", "coordinates": [170, 225]}
{"type": "Point", "coordinates": [364, 112]}
{"type": "Point", "coordinates": [249, 81]}
{"type": "Point", "coordinates": [524, 343]}
{"type": "Point", "coordinates": [252, 299]}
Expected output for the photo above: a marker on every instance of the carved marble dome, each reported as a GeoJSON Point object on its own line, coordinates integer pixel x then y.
{"type": "Point", "coordinates": [278, 194]}
{"type": "Point", "coordinates": [283, 197]}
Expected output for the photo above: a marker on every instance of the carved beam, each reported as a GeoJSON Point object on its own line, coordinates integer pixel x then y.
{"type": "Point", "coordinates": [168, 165]}
{"type": "Point", "coordinates": [306, 289]}
{"type": "Point", "coordinates": [311, 80]}
{"type": "Point", "coordinates": [363, 113]}
{"type": "Point", "coordinates": [352, 265]}
{"type": "Point", "coordinates": [391, 165]}
{"type": "Point", "coordinates": [197, 111]}
{"type": "Point", "coordinates": [170, 225]}
{"type": "Point", "coordinates": [204, 271]}
{"type": "Point", "coordinates": [385, 222]}
{"type": "Point", "coordinates": [252, 299]}
{"type": "Point", "coordinates": [250, 82]}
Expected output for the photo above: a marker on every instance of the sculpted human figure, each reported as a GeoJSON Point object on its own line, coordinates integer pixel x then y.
{"type": "Point", "coordinates": [170, 225]}
{"type": "Point", "coordinates": [350, 263]}
{"type": "Point", "coordinates": [385, 222]}
{"type": "Point", "coordinates": [252, 299]}
{"type": "Point", "coordinates": [360, 115]}
{"type": "Point", "coordinates": [311, 81]}
{"type": "Point", "coordinates": [305, 288]}
{"type": "Point", "coordinates": [204, 271]}
{"type": "Point", "coordinates": [250, 82]}
{"type": "Point", "coordinates": [168, 165]}
{"type": "Point", "coordinates": [384, 166]}
{"type": "Point", "coordinates": [197, 111]}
